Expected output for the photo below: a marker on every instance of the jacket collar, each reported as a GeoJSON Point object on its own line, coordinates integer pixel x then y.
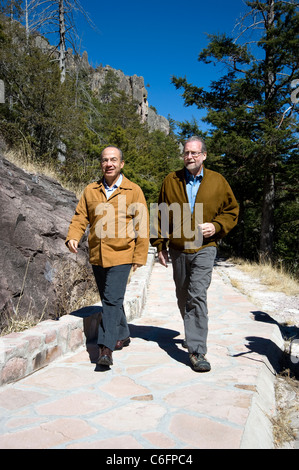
{"type": "Point", "coordinates": [125, 184]}
{"type": "Point", "coordinates": [180, 174]}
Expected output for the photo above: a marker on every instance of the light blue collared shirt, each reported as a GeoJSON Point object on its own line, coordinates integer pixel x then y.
{"type": "Point", "coordinates": [192, 186]}
{"type": "Point", "coordinates": [110, 191]}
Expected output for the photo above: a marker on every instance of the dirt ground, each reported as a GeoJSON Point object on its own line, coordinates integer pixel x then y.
{"type": "Point", "coordinates": [284, 310]}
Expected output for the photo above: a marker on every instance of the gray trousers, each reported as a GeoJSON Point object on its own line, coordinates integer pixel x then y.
{"type": "Point", "coordinates": [192, 274]}
{"type": "Point", "coordinates": [112, 283]}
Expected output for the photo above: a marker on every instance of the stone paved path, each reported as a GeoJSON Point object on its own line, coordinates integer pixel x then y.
{"type": "Point", "coordinates": [151, 398]}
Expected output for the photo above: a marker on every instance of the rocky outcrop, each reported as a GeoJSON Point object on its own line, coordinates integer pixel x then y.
{"type": "Point", "coordinates": [133, 86]}
{"type": "Point", "coordinates": [156, 122]}
{"type": "Point", "coordinates": [135, 89]}
{"type": "Point", "coordinates": [38, 275]}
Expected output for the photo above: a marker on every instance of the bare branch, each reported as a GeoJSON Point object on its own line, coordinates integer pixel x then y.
{"type": "Point", "coordinates": [284, 115]}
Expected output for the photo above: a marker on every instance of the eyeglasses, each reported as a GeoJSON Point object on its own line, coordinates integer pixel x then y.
{"type": "Point", "coordinates": [193, 154]}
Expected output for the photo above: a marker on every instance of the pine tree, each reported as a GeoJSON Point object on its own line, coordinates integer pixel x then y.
{"type": "Point", "coordinates": [39, 109]}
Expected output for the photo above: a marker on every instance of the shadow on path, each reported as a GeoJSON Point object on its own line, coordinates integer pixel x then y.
{"type": "Point", "coordinates": [264, 348]}
{"type": "Point", "coordinates": [277, 357]}
{"type": "Point", "coordinates": [165, 338]}
{"type": "Point", "coordinates": [287, 331]}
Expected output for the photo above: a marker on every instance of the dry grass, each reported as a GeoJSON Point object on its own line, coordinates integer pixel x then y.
{"type": "Point", "coordinates": [75, 289]}
{"type": "Point", "coordinates": [16, 323]}
{"type": "Point", "coordinates": [283, 432]}
{"type": "Point", "coordinates": [287, 398]}
{"type": "Point", "coordinates": [276, 279]}
{"type": "Point", "coordinates": [238, 285]}
{"type": "Point", "coordinates": [29, 166]}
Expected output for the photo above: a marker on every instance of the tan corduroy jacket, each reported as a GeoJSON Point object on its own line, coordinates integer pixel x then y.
{"type": "Point", "coordinates": [216, 204]}
{"type": "Point", "coordinates": [118, 227]}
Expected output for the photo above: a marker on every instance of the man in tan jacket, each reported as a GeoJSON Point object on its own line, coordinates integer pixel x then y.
{"type": "Point", "coordinates": [115, 210]}
{"type": "Point", "coordinates": [196, 209]}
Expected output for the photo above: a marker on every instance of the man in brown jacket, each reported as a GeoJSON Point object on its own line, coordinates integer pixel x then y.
{"type": "Point", "coordinates": [115, 210]}
{"type": "Point", "coordinates": [196, 209]}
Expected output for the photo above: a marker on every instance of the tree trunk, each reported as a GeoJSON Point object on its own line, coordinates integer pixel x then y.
{"type": "Point", "coordinates": [267, 226]}
{"type": "Point", "coordinates": [62, 48]}
{"type": "Point", "coordinates": [26, 22]}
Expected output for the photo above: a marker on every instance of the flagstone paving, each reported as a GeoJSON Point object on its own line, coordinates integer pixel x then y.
{"type": "Point", "coordinates": [151, 398]}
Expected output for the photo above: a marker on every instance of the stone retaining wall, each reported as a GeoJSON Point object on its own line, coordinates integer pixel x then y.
{"type": "Point", "coordinates": [23, 353]}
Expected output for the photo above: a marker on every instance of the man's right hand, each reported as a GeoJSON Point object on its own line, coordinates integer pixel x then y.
{"type": "Point", "coordinates": [72, 246]}
{"type": "Point", "coordinates": [163, 257]}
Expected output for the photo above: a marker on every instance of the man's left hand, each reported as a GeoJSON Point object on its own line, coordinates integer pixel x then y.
{"type": "Point", "coordinates": [207, 229]}
{"type": "Point", "coordinates": [135, 266]}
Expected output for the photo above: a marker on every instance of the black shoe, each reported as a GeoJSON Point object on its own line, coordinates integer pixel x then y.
{"type": "Point", "coordinates": [105, 357]}
{"type": "Point", "coordinates": [199, 362]}
{"type": "Point", "coordinates": [184, 344]}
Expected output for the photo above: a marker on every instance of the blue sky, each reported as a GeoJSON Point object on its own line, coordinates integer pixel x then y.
{"type": "Point", "coordinates": [156, 39]}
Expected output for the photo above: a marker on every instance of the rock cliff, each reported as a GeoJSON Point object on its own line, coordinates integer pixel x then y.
{"type": "Point", "coordinates": [132, 85]}
{"type": "Point", "coordinates": [38, 275]}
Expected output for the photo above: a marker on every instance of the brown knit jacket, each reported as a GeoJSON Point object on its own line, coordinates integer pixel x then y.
{"type": "Point", "coordinates": [218, 206]}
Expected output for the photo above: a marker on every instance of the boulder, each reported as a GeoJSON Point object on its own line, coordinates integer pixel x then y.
{"type": "Point", "coordinates": [39, 277]}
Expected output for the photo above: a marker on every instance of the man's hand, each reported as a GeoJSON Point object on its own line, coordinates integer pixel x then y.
{"type": "Point", "coordinates": [163, 257]}
{"type": "Point", "coordinates": [72, 246]}
{"type": "Point", "coordinates": [207, 229]}
{"type": "Point", "coordinates": [135, 266]}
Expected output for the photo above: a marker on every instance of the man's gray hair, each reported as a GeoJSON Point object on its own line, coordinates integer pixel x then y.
{"type": "Point", "coordinates": [195, 138]}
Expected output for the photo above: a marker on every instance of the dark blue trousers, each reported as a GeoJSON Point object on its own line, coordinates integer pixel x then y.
{"type": "Point", "coordinates": [112, 283]}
